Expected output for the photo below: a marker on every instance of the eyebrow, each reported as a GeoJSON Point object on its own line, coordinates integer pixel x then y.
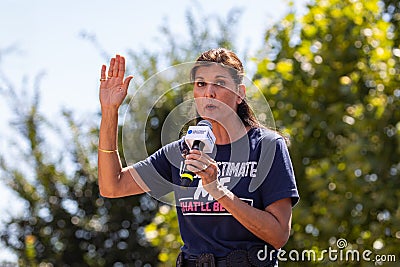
{"type": "Point", "coordinates": [218, 76]}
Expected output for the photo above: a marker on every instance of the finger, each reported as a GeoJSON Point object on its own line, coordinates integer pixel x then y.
{"type": "Point", "coordinates": [121, 70]}
{"type": "Point", "coordinates": [103, 72]}
{"type": "Point", "coordinates": [126, 82]}
{"type": "Point", "coordinates": [192, 169]}
{"type": "Point", "coordinates": [102, 76]}
{"type": "Point", "coordinates": [193, 156]}
{"type": "Point", "coordinates": [195, 166]}
{"type": "Point", "coordinates": [198, 155]}
{"type": "Point", "coordinates": [116, 66]}
{"type": "Point", "coordinates": [199, 163]}
{"type": "Point", "coordinates": [206, 157]}
{"type": "Point", "coordinates": [110, 69]}
{"type": "Point", "coordinates": [194, 152]}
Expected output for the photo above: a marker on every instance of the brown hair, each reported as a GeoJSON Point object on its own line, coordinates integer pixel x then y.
{"type": "Point", "coordinates": [232, 63]}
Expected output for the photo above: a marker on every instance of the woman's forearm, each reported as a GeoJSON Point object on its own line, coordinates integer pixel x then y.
{"type": "Point", "coordinates": [114, 180]}
{"type": "Point", "coordinates": [271, 225]}
{"type": "Point", "coordinates": [109, 163]}
{"type": "Point", "coordinates": [108, 136]}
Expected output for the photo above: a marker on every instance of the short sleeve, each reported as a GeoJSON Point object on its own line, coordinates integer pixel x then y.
{"type": "Point", "coordinates": [280, 182]}
{"type": "Point", "coordinates": [156, 172]}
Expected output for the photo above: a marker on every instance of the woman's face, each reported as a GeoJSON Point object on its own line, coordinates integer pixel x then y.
{"type": "Point", "coordinates": [216, 94]}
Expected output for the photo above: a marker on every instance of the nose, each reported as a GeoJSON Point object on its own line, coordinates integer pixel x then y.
{"type": "Point", "coordinates": [210, 90]}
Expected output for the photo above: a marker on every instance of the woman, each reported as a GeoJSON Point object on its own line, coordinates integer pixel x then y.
{"type": "Point", "coordinates": [240, 206]}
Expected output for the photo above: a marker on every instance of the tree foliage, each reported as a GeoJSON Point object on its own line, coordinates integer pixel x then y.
{"type": "Point", "coordinates": [332, 80]}
{"type": "Point", "coordinates": [66, 221]}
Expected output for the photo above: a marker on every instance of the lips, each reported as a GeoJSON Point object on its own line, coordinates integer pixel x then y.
{"type": "Point", "coordinates": [210, 106]}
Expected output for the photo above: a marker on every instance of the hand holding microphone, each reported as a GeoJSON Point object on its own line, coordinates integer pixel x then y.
{"type": "Point", "coordinates": [199, 137]}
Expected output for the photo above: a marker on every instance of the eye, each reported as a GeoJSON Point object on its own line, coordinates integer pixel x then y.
{"type": "Point", "coordinates": [200, 84]}
{"type": "Point", "coordinates": [220, 83]}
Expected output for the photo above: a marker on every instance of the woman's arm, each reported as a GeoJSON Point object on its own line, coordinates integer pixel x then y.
{"type": "Point", "coordinates": [271, 225]}
{"type": "Point", "coordinates": [114, 180]}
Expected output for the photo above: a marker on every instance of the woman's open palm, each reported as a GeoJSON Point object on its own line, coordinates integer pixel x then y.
{"type": "Point", "coordinates": [114, 88]}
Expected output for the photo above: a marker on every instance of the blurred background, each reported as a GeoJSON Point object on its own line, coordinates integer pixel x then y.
{"type": "Point", "coordinates": [329, 69]}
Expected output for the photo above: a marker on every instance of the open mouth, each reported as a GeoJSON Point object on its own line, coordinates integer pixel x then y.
{"type": "Point", "coordinates": [210, 107]}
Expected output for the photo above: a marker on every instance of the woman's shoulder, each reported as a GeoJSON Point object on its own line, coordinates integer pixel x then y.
{"type": "Point", "coordinates": [265, 134]}
{"type": "Point", "coordinates": [169, 153]}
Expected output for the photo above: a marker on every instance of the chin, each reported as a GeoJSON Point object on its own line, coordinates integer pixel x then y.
{"type": "Point", "coordinates": [215, 119]}
{"type": "Point", "coordinates": [208, 117]}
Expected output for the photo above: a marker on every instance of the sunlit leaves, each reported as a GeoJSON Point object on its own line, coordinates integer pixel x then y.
{"type": "Point", "coordinates": [340, 107]}
{"type": "Point", "coordinates": [65, 222]}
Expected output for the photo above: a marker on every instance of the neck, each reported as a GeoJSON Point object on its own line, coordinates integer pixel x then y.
{"type": "Point", "coordinates": [229, 132]}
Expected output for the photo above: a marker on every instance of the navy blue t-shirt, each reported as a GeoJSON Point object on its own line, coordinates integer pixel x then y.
{"type": "Point", "coordinates": [256, 168]}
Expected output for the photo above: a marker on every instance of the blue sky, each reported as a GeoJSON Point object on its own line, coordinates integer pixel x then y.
{"type": "Point", "coordinates": [46, 38]}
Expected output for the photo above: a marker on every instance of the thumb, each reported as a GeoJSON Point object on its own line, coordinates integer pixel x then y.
{"type": "Point", "coordinates": [126, 82]}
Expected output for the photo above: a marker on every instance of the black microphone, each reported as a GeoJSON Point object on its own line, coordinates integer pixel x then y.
{"type": "Point", "coordinates": [199, 135]}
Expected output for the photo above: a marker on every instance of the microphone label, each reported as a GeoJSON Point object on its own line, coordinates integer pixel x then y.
{"type": "Point", "coordinates": [197, 131]}
{"type": "Point", "coordinates": [203, 134]}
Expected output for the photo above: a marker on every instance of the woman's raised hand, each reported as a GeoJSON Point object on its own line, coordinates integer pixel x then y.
{"type": "Point", "coordinates": [113, 87]}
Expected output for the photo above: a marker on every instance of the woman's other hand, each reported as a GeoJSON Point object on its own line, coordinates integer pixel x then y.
{"type": "Point", "coordinates": [202, 165]}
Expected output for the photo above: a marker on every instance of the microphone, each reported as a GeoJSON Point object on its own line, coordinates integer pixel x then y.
{"type": "Point", "coordinates": [199, 135]}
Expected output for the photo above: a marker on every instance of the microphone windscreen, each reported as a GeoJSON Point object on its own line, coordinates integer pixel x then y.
{"type": "Point", "coordinates": [205, 123]}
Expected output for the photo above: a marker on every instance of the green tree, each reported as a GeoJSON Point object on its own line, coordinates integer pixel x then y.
{"type": "Point", "coordinates": [332, 82]}
{"type": "Point", "coordinates": [67, 222]}
{"type": "Point", "coordinates": [391, 14]}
